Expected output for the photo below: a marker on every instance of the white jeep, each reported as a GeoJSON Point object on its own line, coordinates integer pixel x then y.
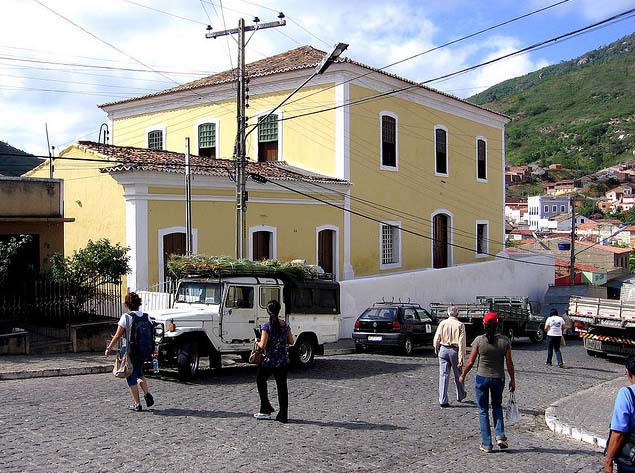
{"type": "Point", "coordinates": [216, 316]}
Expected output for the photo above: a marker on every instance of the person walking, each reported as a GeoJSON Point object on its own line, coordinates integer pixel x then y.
{"type": "Point", "coordinates": [623, 420]}
{"type": "Point", "coordinates": [493, 351]}
{"type": "Point", "coordinates": [449, 344]}
{"type": "Point", "coordinates": [554, 325]}
{"type": "Point", "coordinates": [137, 378]}
{"type": "Point", "coordinates": [275, 338]}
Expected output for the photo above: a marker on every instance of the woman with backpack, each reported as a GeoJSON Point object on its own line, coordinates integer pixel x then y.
{"type": "Point", "coordinates": [276, 336]}
{"type": "Point", "coordinates": [494, 351]}
{"type": "Point", "coordinates": [139, 345]}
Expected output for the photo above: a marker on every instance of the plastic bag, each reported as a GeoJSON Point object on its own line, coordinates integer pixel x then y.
{"type": "Point", "coordinates": [512, 414]}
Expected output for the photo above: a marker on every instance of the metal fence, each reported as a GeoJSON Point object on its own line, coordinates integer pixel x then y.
{"type": "Point", "coordinates": [47, 308]}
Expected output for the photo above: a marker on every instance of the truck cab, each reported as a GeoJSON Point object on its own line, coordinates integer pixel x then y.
{"type": "Point", "coordinates": [212, 316]}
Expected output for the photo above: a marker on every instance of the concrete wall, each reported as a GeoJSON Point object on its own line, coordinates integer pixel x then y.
{"type": "Point", "coordinates": [520, 275]}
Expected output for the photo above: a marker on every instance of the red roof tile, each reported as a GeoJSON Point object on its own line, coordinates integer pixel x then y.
{"type": "Point", "coordinates": [128, 158]}
{"type": "Point", "coordinates": [304, 57]}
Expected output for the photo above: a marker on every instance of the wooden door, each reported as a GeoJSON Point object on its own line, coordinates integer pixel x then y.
{"type": "Point", "coordinates": [326, 253]}
{"type": "Point", "coordinates": [440, 242]}
{"type": "Point", "coordinates": [173, 244]}
{"type": "Point", "coordinates": [261, 245]}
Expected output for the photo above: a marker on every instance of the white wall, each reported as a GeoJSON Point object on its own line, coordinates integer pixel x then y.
{"type": "Point", "coordinates": [517, 276]}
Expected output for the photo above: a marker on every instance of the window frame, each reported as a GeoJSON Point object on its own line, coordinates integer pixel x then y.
{"type": "Point", "coordinates": [256, 133]}
{"type": "Point", "coordinates": [164, 136]}
{"type": "Point", "coordinates": [478, 160]}
{"type": "Point", "coordinates": [484, 253]}
{"type": "Point", "coordinates": [396, 243]}
{"type": "Point", "coordinates": [216, 123]}
{"type": "Point", "coordinates": [447, 154]}
{"type": "Point", "coordinates": [394, 116]}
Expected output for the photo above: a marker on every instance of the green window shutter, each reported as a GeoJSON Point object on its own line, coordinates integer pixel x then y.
{"type": "Point", "coordinates": [268, 129]}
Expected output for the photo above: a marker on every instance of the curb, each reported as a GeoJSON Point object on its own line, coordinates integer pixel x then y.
{"type": "Point", "coordinates": [339, 351]}
{"type": "Point", "coordinates": [54, 372]}
{"type": "Point", "coordinates": [562, 428]}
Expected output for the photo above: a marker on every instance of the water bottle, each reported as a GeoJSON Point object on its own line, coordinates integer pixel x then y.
{"type": "Point", "coordinates": [155, 364]}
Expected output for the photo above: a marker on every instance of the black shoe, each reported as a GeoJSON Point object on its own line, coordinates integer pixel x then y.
{"type": "Point", "coordinates": [135, 407]}
{"type": "Point", "coordinates": [149, 399]}
{"type": "Point", "coordinates": [282, 419]}
{"type": "Point", "coordinates": [444, 405]}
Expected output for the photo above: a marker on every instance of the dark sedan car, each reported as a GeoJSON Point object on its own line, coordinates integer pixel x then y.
{"type": "Point", "coordinates": [394, 325]}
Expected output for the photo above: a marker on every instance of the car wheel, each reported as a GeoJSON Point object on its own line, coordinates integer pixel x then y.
{"type": "Point", "coordinates": [188, 360]}
{"type": "Point", "coordinates": [538, 336]}
{"type": "Point", "coordinates": [407, 346]}
{"type": "Point", "coordinates": [304, 353]}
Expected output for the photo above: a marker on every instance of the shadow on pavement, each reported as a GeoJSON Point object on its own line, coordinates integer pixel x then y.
{"type": "Point", "coordinates": [348, 425]}
{"type": "Point", "coordinates": [555, 451]}
{"type": "Point", "coordinates": [173, 412]}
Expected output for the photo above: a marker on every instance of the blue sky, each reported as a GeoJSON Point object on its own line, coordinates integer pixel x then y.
{"type": "Point", "coordinates": [56, 72]}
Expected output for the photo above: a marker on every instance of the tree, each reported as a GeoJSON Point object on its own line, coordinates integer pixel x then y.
{"type": "Point", "coordinates": [98, 264]}
{"type": "Point", "coordinates": [8, 251]}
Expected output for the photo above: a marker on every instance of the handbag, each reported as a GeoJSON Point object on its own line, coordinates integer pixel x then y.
{"type": "Point", "coordinates": [123, 363]}
{"type": "Point", "coordinates": [626, 455]}
{"type": "Point", "coordinates": [512, 414]}
{"type": "Point", "coordinates": [255, 357]}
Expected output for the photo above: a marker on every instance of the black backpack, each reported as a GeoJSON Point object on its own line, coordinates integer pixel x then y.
{"type": "Point", "coordinates": [141, 336]}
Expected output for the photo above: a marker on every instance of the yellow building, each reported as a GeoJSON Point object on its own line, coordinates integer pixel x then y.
{"type": "Point", "coordinates": [390, 176]}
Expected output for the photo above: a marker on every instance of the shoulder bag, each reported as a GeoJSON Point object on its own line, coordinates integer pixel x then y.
{"type": "Point", "coordinates": [626, 455]}
{"type": "Point", "coordinates": [255, 357]}
{"type": "Point", "coordinates": [123, 364]}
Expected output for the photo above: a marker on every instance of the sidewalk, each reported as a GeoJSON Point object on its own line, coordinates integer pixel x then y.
{"type": "Point", "coordinates": [70, 364]}
{"type": "Point", "coordinates": [585, 415]}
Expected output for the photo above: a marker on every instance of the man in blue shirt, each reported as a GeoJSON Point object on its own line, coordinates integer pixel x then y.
{"type": "Point", "coordinates": [623, 421]}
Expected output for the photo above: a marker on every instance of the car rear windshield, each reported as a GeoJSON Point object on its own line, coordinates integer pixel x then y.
{"type": "Point", "coordinates": [380, 313]}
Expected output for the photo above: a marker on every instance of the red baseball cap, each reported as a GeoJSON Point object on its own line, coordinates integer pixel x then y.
{"type": "Point", "coordinates": [490, 317]}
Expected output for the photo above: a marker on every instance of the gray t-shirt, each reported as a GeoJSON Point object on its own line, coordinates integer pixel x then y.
{"type": "Point", "coordinates": [491, 359]}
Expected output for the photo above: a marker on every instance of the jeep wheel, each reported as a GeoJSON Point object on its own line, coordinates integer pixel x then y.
{"type": "Point", "coordinates": [407, 347]}
{"type": "Point", "coordinates": [188, 360]}
{"type": "Point", "coordinates": [303, 353]}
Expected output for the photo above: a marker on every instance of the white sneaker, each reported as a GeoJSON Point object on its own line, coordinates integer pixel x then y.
{"type": "Point", "coordinates": [261, 416]}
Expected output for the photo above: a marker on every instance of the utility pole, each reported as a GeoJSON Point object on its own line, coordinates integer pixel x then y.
{"type": "Point", "coordinates": [48, 145]}
{"type": "Point", "coordinates": [240, 155]}
{"type": "Point", "coordinates": [188, 200]}
{"type": "Point", "coordinates": [572, 259]}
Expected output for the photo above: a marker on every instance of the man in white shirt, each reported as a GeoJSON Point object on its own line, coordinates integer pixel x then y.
{"type": "Point", "coordinates": [554, 325]}
{"type": "Point", "coordinates": [450, 345]}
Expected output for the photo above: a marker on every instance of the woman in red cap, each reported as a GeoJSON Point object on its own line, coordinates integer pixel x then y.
{"type": "Point", "coordinates": [493, 351]}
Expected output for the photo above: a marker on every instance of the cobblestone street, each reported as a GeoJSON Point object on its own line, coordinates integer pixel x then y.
{"type": "Point", "coordinates": [357, 412]}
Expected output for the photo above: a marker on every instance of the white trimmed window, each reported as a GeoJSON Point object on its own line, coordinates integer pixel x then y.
{"type": "Point", "coordinates": [155, 137]}
{"type": "Point", "coordinates": [207, 138]}
{"type": "Point", "coordinates": [482, 238]}
{"type": "Point", "coordinates": [388, 137]}
{"type": "Point", "coordinates": [481, 159]}
{"type": "Point", "coordinates": [390, 245]}
{"type": "Point", "coordinates": [441, 150]}
{"type": "Point", "coordinates": [268, 138]}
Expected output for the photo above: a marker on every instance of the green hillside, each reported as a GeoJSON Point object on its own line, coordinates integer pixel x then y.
{"type": "Point", "coordinates": [580, 113]}
{"type": "Point", "coordinates": [14, 161]}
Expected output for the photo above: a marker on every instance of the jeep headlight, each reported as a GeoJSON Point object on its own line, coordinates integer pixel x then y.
{"type": "Point", "coordinates": [158, 333]}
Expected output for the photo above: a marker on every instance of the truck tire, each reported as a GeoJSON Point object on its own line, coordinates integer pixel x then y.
{"type": "Point", "coordinates": [188, 360]}
{"type": "Point", "coordinates": [538, 336]}
{"type": "Point", "coordinates": [303, 353]}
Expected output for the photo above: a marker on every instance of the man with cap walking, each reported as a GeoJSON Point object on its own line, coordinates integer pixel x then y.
{"type": "Point", "coordinates": [449, 345]}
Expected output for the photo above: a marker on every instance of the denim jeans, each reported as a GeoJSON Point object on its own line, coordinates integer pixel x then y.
{"type": "Point", "coordinates": [553, 344]}
{"type": "Point", "coordinates": [485, 387]}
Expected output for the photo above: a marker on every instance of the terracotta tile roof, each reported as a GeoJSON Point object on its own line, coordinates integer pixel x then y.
{"type": "Point", "coordinates": [563, 265]}
{"type": "Point", "coordinates": [304, 57]}
{"type": "Point", "coordinates": [610, 249]}
{"type": "Point", "coordinates": [143, 159]}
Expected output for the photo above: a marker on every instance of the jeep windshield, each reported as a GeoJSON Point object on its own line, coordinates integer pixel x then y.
{"type": "Point", "coordinates": [199, 293]}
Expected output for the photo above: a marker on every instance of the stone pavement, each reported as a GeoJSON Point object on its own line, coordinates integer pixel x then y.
{"type": "Point", "coordinates": [583, 415]}
{"type": "Point", "coordinates": [70, 364]}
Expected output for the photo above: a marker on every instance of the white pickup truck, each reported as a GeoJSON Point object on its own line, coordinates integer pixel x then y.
{"type": "Point", "coordinates": [215, 316]}
{"type": "Point", "coordinates": [607, 326]}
